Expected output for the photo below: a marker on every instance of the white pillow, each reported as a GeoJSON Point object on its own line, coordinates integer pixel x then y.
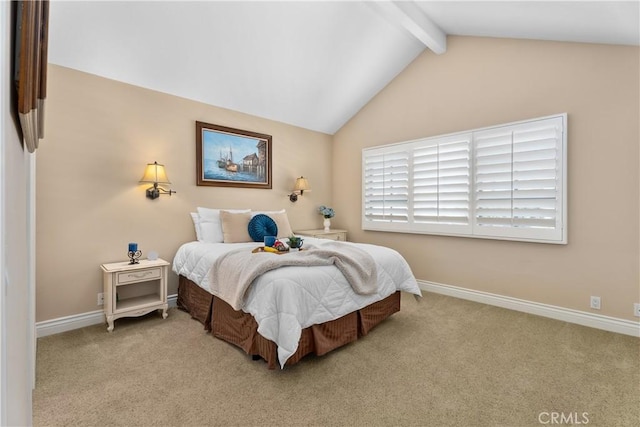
{"type": "Point", "coordinates": [215, 213]}
{"type": "Point", "coordinates": [210, 225]}
{"type": "Point", "coordinates": [196, 224]}
{"type": "Point", "coordinates": [211, 231]}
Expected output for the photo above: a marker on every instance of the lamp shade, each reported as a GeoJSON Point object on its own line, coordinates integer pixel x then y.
{"type": "Point", "coordinates": [155, 173]}
{"type": "Point", "coordinates": [302, 184]}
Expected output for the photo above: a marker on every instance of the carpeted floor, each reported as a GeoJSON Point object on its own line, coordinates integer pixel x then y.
{"type": "Point", "coordinates": [439, 362]}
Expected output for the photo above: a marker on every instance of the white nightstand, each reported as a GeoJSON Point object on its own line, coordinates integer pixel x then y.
{"type": "Point", "coordinates": [333, 234]}
{"type": "Point", "coordinates": [132, 290]}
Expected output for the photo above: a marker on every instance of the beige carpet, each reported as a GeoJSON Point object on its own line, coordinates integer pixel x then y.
{"type": "Point", "coordinates": [439, 362]}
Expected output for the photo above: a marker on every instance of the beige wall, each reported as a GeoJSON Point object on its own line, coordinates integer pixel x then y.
{"type": "Point", "coordinates": [480, 82]}
{"type": "Point", "coordinates": [100, 134]}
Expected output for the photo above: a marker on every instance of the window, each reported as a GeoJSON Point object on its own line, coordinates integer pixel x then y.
{"type": "Point", "coordinates": [387, 186]}
{"type": "Point", "coordinates": [501, 182]}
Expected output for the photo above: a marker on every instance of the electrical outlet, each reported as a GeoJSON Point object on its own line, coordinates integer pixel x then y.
{"type": "Point", "coordinates": [636, 309]}
{"type": "Point", "coordinates": [100, 298]}
{"type": "Point", "coordinates": [595, 303]}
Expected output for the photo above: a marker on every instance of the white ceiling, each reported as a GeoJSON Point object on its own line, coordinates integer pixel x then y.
{"type": "Point", "coordinates": [309, 64]}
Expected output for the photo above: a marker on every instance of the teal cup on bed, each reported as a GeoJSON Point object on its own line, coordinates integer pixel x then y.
{"type": "Point", "coordinates": [295, 242]}
{"type": "Point", "coordinates": [269, 240]}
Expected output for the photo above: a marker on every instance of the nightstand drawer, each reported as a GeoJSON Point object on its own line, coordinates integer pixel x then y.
{"type": "Point", "coordinates": [332, 236]}
{"type": "Point", "coordinates": [135, 276]}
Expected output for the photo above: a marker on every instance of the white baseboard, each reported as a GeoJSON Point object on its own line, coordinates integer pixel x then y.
{"type": "Point", "coordinates": [69, 323]}
{"type": "Point", "coordinates": [612, 324]}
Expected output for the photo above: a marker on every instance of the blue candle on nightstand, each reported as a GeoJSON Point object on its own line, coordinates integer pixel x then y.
{"type": "Point", "coordinates": [133, 247]}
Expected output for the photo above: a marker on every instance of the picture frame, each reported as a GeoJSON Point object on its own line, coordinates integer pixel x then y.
{"type": "Point", "coordinates": [229, 157]}
{"type": "Point", "coordinates": [31, 22]}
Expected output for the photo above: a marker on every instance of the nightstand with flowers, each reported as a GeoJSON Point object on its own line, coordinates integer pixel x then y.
{"type": "Point", "coordinates": [327, 232]}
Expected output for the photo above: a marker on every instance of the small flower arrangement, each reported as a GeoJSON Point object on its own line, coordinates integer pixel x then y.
{"type": "Point", "coordinates": [326, 211]}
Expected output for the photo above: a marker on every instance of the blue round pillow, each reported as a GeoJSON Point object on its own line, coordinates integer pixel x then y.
{"type": "Point", "coordinates": [262, 225]}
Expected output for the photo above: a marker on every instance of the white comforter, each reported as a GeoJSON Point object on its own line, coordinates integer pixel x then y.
{"type": "Point", "coordinates": [286, 300]}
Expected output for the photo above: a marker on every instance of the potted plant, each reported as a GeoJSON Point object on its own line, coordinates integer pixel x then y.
{"type": "Point", "coordinates": [295, 242]}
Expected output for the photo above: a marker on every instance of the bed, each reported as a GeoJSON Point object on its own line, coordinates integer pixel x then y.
{"type": "Point", "coordinates": [290, 312]}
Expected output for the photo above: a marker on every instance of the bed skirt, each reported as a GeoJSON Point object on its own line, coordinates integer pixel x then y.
{"type": "Point", "coordinates": [195, 301]}
{"type": "Point", "coordinates": [241, 329]}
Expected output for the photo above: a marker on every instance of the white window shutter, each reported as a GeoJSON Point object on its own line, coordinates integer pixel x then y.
{"type": "Point", "coordinates": [500, 182]}
{"type": "Point", "coordinates": [518, 180]}
{"type": "Point", "coordinates": [441, 180]}
{"type": "Point", "coordinates": [386, 186]}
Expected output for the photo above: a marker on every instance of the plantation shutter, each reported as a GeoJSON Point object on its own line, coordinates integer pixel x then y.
{"type": "Point", "coordinates": [518, 180]}
{"type": "Point", "coordinates": [501, 182]}
{"type": "Point", "coordinates": [386, 185]}
{"type": "Point", "coordinates": [441, 173]}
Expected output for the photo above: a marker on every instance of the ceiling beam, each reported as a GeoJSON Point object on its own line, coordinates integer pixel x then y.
{"type": "Point", "coordinates": [408, 16]}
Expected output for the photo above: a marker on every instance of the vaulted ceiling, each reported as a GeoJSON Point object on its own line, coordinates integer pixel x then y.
{"type": "Point", "coordinates": [309, 64]}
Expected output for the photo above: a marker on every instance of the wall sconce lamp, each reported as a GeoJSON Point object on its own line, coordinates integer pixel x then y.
{"type": "Point", "coordinates": [155, 174]}
{"type": "Point", "coordinates": [300, 187]}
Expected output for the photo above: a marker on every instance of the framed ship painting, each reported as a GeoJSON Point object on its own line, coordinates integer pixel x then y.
{"type": "Point", "coordinates": [227, 157]}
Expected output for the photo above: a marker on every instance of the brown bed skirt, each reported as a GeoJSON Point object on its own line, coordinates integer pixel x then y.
{"type": "Point", "coordinates": [241, 329]}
